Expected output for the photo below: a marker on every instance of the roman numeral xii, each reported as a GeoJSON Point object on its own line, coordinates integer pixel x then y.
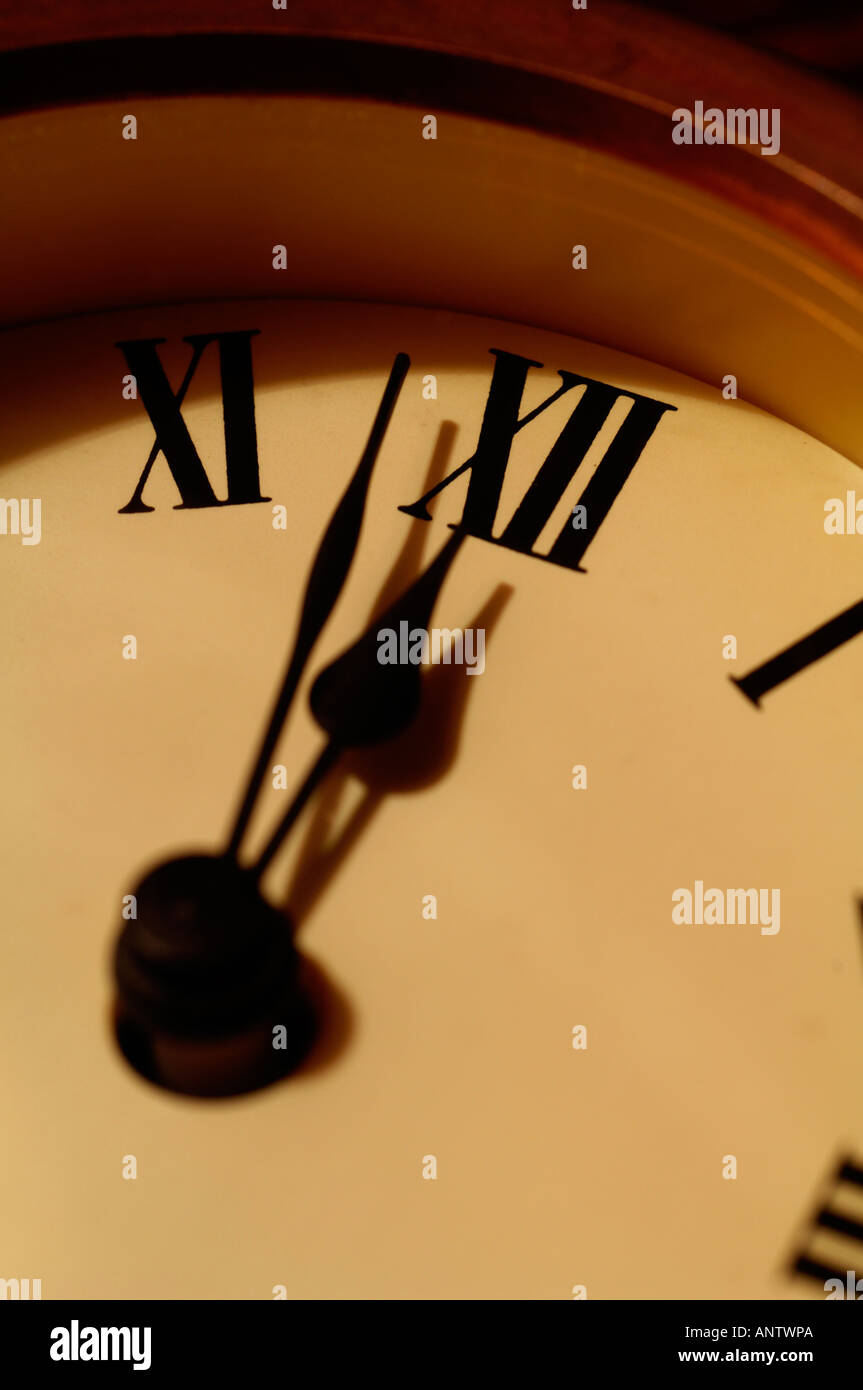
{"type": "Point", "coordinates": [488, 464]}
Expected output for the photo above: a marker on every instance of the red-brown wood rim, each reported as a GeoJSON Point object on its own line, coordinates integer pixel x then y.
{"type": "Point", "coordinates": [609, 77]}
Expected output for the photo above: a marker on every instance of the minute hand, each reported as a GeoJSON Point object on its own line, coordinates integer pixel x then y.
{"type": "Point", "coordinates": [326, 578]}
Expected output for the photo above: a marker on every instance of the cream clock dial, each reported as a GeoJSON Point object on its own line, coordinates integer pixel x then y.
{"type": "Point", "coordinates": [521, 1046]}
{"type": "Point", "coordinates": [433, 621]}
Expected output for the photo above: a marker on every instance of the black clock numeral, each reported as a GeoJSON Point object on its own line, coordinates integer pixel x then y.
{"type": "Point", "coordinates": [499, 427]}
{"type": "Point", "coordinates": [848, 1176]}
{"type": "Point", "coordinates": [172, 436]}
{"type": "Point", "coordinates": [801, 654]}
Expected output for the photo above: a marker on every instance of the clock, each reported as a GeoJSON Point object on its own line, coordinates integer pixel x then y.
{"type": "Point", "coordinates": [431, 549]}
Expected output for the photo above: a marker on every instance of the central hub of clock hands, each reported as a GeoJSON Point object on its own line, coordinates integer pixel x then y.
{"type": "Point", "coordinates": [204, 974]}
{"type": "Point", "coordinates": [211, 998]}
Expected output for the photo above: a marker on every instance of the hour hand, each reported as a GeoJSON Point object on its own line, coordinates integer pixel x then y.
{"type": "Point", "coordinates": [357, 700]}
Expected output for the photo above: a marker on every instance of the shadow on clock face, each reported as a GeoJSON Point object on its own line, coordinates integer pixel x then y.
{"type": "Point", "coordinates": [213, 998]}
{"type": "Point", "coordinates": [415, 759]}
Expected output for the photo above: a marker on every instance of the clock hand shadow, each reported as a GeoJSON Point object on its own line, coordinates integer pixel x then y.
{"type": "Point", "coordinates": [412, 761]}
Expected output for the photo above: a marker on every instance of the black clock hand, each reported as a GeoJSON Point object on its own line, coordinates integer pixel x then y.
{"type": "Point", "coordinates": [326, 579]}
{"type": "Point", "coordinates": [358, 701]}
{"type": "Point", "coordinates": [206, 969]}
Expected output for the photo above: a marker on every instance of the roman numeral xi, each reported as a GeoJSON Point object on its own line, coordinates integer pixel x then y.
{"type": "Point", "coordinates": [173, 440]}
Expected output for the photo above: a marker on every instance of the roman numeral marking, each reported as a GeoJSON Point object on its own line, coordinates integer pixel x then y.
{"type": "Point", "coordinates": [173, 438]}
{"type": "Point", "coordinates": [801, 654]}
{"type": "Point", "coordinates": [849, 1176]}
{"type": "Point", "coordinates": [499, 427]}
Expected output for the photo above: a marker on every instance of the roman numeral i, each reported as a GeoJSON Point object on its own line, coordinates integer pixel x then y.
{"type": "Point", "coordinates": [799, 655]}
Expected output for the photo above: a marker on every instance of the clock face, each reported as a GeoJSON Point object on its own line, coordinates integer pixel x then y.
{"type": "Point", "coordinates": [552, 989]}
{"type": "Point", "coordinates": [548, 1059]}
